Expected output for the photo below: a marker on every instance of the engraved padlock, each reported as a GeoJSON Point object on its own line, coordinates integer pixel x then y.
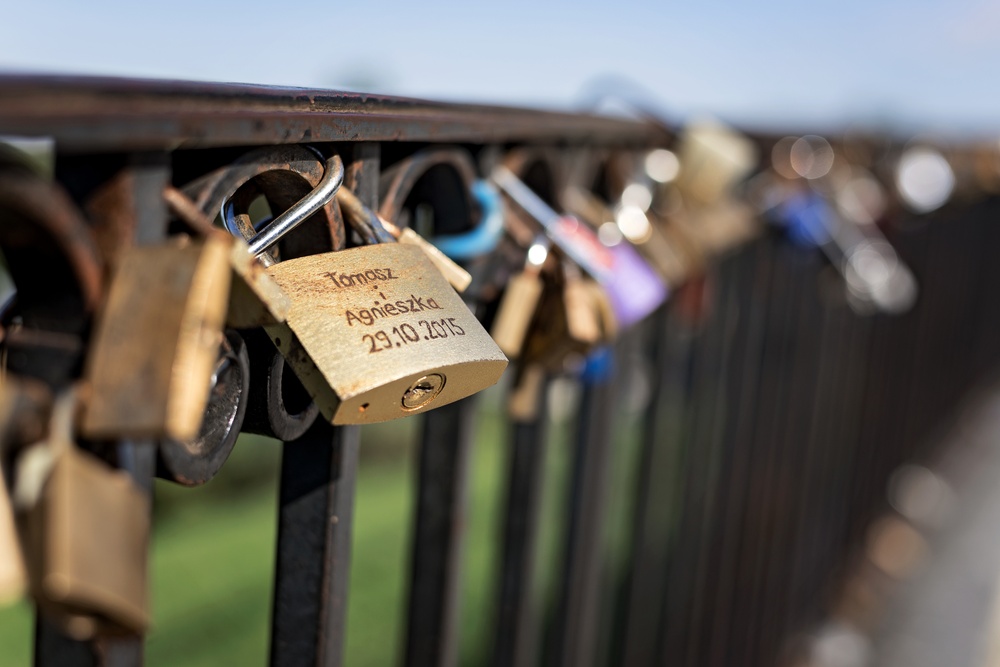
{"type": "Point", "coordinates": [375, 332]}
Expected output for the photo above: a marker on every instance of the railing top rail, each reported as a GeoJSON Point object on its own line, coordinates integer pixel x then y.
{"type": "Point", "coordinates": [99, 113]}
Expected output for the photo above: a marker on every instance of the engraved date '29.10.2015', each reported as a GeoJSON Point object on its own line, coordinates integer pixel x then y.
{"type": "Point", "coordinates": [407, 334]}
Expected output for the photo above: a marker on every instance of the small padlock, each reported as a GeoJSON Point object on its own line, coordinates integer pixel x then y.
{"type": "Point", "coordinates": [84, 527]}
{"type": "Point", "coordinates": [520, 299]}
{"type": "Point", "coordinates": [376, 333]}
{"type": "Point", "coordinates": [713, 158]}
{"type": "Point", "coordinates": [157, 339]}
{"type": "Point", "coordinates": [550, 341]}
{"type": "Point", "coordinates": [583, 322]}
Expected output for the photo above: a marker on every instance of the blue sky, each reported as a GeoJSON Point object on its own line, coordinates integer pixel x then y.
{"type": "Point", "coordinates": [919, 63]}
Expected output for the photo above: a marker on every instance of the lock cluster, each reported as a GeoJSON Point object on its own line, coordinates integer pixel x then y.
{"type": "Point", "coordinates": [303, 284]}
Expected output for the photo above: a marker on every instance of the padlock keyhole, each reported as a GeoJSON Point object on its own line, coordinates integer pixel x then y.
{"type": "Point", "coordinates": [423, 391]}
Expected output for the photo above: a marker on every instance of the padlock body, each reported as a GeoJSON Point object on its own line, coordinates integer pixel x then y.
{"type": "Point", "coordinates": [376, 333]}
{"type": "Point", "coordinates": [516, 311]}
{"type": "Point", "coordinates": [87, 545]}
{"type": "Point", "coordinates": [157, 339]}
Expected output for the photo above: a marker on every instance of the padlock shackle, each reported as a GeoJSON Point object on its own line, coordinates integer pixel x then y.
{"type": "Point", "coordinates": [320, 196]}
{"type": "Point", "coordinates": [364, 220]}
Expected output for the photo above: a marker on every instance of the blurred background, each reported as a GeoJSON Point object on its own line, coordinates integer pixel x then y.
{"type": "Point", "coordinates": [901, 66]}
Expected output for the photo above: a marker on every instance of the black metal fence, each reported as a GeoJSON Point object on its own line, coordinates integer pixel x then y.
{"type": "Point", "coordinates": [773, 408]}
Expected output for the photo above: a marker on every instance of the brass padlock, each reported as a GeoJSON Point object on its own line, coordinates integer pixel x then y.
{"type": "Point", "coordinates": [156, 342]}
{"type": "Point", "coordinates": [84, 527]}
{"type": "Point", "coordinates": [520, 299]}
{"type": "Point", "coordinates": [550, 342]}
{"type": "Point", "coordinates": [713, 159]}
{"type": "Point", "coordinates": [376, 332]}
{"type": "Point", "coordinates": [583, 314]}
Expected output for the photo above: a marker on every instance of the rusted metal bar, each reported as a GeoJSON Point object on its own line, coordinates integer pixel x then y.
{"type": "Point", "coordinates": [792, 480]}
{"type": "Point", "coordinates": [436, 566]}
{"type": "Point", "coordinates": [738, 393]}
{"type": "Point", "coordinates": [314, 546]}
{"type": "Point", "coordinates": [575, 638]}
{"type": "Point", "coordinates": [88, 114]}
{"type": "Point", "coordinates": [638, 625]}
{"type": "Point", "coordinates": [130, 190]}
{"type": "Point", "coordinates": [518, 621]}
{"type": "Point", "coordinates": [772, 307]}
{"type": "Point", "coordinates": [315, 519]}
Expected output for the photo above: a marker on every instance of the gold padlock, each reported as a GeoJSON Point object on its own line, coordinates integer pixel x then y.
{"type": "Point", "coordinates": [520, 299]}
{"type": "Point", "coordinates": [374, 332]}
{"type": "Point", "coordinates": [583, 319]}
{"type": "Point", "coordinates": [84, 527]}
{"type": "Point", "coordinates": [156, 341]}
{"type": "Point", "coordinates": [713, 159]}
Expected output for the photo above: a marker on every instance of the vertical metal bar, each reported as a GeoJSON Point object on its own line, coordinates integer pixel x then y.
{"type": "Point", "coordinates": [683, 554]}
{"type": "Point", "coordinates": [52, 647]}
{"type": "Point", "coordinates": [710, 482]}
{"type": "Point", "coordinates": [640, 619]}
{"type": "Point", "coordinates": [671, 420]}
{"type": "Point", "coordinates": [314, 546]}
{"type": "Point", "coordinates": [518, 624]}
{"type": "Point", "coordinates": [791, 483]}
{"type": "Point", "coordinates": [125, 206]}
{"type": "Point", "coordinates": [575, 638]}
{"type": "Point", "coordinates": [817, 537]}
{"type": "Point", "coordinates": [318, 475]}
{"type": "Point", "coordinates": [757, 520]}
{"type": "Point", "coordinates": [743, 392]}
{"type": "Point", "coordinates": [625, 453]}
{"type": "Point", "coordinates": [432, 630]}
{"type": "Point", "coordinates": [697, 459]}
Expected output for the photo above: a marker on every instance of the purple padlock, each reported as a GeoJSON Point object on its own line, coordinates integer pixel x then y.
{"type": "Point", "coordinates": [633, 287]}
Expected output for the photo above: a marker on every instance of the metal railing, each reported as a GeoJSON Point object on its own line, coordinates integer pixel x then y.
{"type": "Point", "coordinates": [776, 395]}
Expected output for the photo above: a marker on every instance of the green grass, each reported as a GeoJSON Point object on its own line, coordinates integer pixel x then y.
{"type": "Point", "coordinates": [213, 552]}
